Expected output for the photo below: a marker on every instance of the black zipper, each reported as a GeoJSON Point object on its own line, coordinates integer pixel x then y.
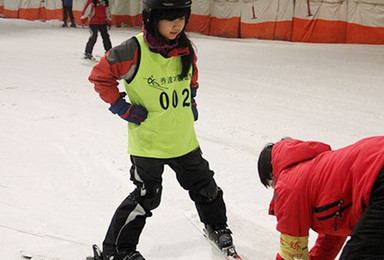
{"type": "Point", "coordinates": [337, 214]}
{"type": "Point", "coordinates": [328, 206]}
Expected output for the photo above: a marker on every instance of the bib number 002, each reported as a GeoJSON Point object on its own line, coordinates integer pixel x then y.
{"type": "Point", "coordinates": [165, 99]}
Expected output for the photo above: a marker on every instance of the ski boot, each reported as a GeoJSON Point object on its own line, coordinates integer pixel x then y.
{"type": "Point", "coordinates": [221, 237]}
{"type": "Point", "coordinates": [73, 25]}
{"type": "Point", "coordinates": [89, 56]}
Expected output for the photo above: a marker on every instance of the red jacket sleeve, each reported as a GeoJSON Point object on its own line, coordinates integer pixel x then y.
{"type": "Point", "coordinates": [327, 247]}
{"type": "Point", "coordinates": [292, 211]}
{"type": "Point", "coordinates": [87, 9]}
{"type": "Point", "coordinates": [114, 66]}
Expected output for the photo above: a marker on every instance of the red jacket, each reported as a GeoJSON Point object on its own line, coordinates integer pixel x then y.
{"type": "Point", "coordinates": [324, 190]}
{"type": "Point", "coordinates": [98, 14]}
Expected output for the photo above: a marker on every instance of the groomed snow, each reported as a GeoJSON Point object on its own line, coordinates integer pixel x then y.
{"type": "Point", "coordinates": [63, 162]}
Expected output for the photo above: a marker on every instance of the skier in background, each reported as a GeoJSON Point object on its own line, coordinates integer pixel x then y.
{"type": "Point", "coordinates": [99, 21]}
{"type": "Point", "coordinates": [337, 193]}
{"type": "Point", "coordinates": [67, 11]}
{"type": "Point", "coordinates": [158, 68]}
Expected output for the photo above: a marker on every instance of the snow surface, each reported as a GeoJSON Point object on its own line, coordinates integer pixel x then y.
{"type": "Point", "coordinates": [63, 162]}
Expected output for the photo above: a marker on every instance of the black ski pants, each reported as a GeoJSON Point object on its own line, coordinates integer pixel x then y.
{"type": "Point", "coordinates": [93, 29]}
{"type": "Point", "coordinates": [193, 174]}
{"type": "Point", "coordinates": [367, 238]}
{"type": "Point", "coordinates": [67, 11]}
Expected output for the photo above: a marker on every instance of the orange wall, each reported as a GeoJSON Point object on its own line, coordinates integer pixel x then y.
{"type": "Point", "coordinates": [32, 13]}
{"type": "Point", "coordinates": [319, 31]}
{"type": "Point", "coordinates": [267, 30]}
{"type": "Point", "coordinates": [365, 35]}
{"type": "Point", "coordinates": [199, 23]}
{"type": "Point", "coordinates": [229, 28]}
{"type": "Point", "coordinates": [298, 30]}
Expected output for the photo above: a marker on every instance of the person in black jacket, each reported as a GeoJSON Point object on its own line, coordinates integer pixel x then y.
{"type": "Point", "coordinates": [67, 11]}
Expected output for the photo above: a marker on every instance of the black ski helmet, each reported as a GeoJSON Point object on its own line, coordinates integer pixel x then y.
{"type": "Point", "coordinates": [154, 10]}
{"type": "Point", "coordinates": [150, 5]}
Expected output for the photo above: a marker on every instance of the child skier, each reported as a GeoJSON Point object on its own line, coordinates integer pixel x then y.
{"type": "Point", "coordinates": [99, 20]}
{"type": "Point", "coordinates": [337, 193]}
{"type": "Point", "coordinates": [158, 68]}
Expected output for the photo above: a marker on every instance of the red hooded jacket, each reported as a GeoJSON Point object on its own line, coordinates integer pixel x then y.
{"type": "Point", "coordinates": [322, 189]}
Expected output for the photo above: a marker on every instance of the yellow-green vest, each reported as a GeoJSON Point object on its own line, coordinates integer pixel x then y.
{"type": "Point", "coordinates": [168, 131]}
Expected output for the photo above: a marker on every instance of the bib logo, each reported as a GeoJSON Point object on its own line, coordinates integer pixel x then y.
{"type": "Point", "coordinates": [165, 81]}
{"type": "Point", "coordinates": [152, 82]}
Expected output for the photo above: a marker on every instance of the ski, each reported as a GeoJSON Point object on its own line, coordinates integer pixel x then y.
{"type": "Point", "coordinates": [29, 255]}
{"type": "Point", "coordinates": [97, 255]}
{"type": "Point", "coordinates": [93, 60]}
{"type": "Point", "coordinates": [229, 253]}
{"type": "Point", "coordinates": [90, 62]}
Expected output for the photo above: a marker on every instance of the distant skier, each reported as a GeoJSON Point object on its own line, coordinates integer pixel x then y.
{"type": "Point", "coordinates": [336, 193]}
{"type": "Point", "coordinates": [67, 11]}
{"type": "Point", "coordinates": [158, 68]}
{"type": "Point", "coordinates": [99, 20]}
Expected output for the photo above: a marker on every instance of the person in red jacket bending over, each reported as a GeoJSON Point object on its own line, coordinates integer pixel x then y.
{"type": "Point", "coordinates": [99, 20]}
{"type": "Point", "coordinates": [336, 193]}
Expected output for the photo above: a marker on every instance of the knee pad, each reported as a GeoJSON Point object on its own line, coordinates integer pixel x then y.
{"type": "Point", "coordinates": [206, 194]}
{"type": "Point", "coordinates": [147, 194]}
{"type": "Point", "coordinates": [149, 197]}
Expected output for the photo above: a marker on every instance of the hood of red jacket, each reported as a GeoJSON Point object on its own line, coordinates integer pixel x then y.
{"type": "Point", "coordinates": [290, 152]}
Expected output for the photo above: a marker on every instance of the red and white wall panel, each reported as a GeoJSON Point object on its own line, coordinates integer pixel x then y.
{"type": "Point", "coordinates": [321, 21]}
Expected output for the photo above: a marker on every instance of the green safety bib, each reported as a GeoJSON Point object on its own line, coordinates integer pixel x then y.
{"type": "Point", "coordinates": [168, 131]}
